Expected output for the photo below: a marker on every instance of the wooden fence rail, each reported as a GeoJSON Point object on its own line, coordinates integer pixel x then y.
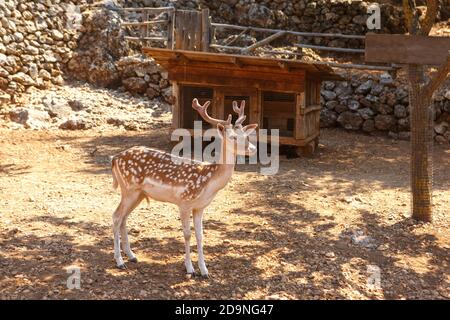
{"type": "Point", "coordinates": [143, 25]}
{"type": "Point", "coordinates": [296, 33]}
{"type": "Point", "coordinates": [193, 30]}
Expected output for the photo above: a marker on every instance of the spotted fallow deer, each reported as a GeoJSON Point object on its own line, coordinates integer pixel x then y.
{"type": "Point", "coordinates": [143, 172]}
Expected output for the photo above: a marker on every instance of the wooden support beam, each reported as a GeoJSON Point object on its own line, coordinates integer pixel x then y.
{"type": "Point", "coordinates": [329, 48]}
{"type": "Point", "coordinates": [283, 52]}
{"type": "Point", "coordinates": [236, 61]}
{"type": "Point", "coordinates": [331, 64]}
{"type": "Point", "coordinates": [147, 9]}
{"type": "Point", "coordinates": [146, 38]}
{"type": "Point", "coordinates": [355, 66]}
{"type": "Point", "coordinates": [145, 23]}
{"type": "Point", "coordinates": [143, 28]}
{"type": "Point", "coordinates": [263, 41]}
{"type": "Point", "coordinates": [284, 65]}
{"type": "Point", "coordinates": [176, 105]}
{"type": "Point", "coordinates": [218, 46]}
{"type": "Point", "coordinates": [296, 33]}
{"type": "Point", "coordinates": [238, 36]}
{"type": "Point", "coordinates": [206, 29]}
{"type": "Point", "coordinates": [182, 58]}
{"type": "Point", "coordinates": [171, 30]}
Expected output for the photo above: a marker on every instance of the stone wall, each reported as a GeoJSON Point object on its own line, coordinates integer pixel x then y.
{"type": "Point", "coordinates": [36, 41]}
{"type": "Point", "coordinates": [40, 41]}
{"type": "Point", "coordinates": [103, 58]}
{"type": "Point", "coordinates": [338, 16]}
{"type": "Point", "coordinates": [376, 103]}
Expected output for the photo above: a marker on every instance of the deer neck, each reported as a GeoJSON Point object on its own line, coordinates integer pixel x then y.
{"type": "Point", "coordinates": [225, 167]}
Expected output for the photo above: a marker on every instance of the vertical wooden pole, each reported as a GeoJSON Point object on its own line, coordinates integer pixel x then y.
{"type": "Point", "coordinates": [253, 107]}
{"type": "Point", "coordinates": [206, 30]}
{"type": "Point", "coordinates": [170, 29]}
{"type": "Point", "coordinates": [144, 28]}
{"type": "Point", "coordinates": [196, 32]}
{"type": "Point", "coordinates": [178, 31]}
{"type": "Point", "coordinates": [300, 105]}
{"type": "Point", "coordinates": [421, 146]}
{"type": "Point", "coordinates": [176, 106]}
{"type": "Point", "coordinates": [220, 106]}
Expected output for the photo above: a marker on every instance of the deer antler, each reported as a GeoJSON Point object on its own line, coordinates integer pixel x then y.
{"type": "Point", "coordinates": [240, 112]}
{"type": "Point", "coordinates": [202, 111]}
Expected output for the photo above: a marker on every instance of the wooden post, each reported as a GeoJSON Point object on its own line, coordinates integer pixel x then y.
{"type": "Point", "coordinates": [196, 31]}
{"type": "Point", "coordinates": [206, 30]}
{"type": "Point", "coordinates": [144, 28]}
{"type": "Point", "coordinates": [263, 41]}
{"type": "Point", "coordinates": [417, 50]}
{"type": "Point", "coordinates": [170, 29]}
{"type": "Point", "coordinates": [300, 105]}
{"type": "Point", "coordinates": [176, 106]}
{"type": "Point", "coordinates": [421, 144]}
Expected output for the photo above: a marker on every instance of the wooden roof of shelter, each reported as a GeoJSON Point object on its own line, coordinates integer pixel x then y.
{"type": "Point", "coordinates": [203, 67]}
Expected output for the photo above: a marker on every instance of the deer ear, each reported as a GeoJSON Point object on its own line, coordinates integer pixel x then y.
{"type": "Point", "coordinates": [248, 129]}
{"type": "Point", "coordinates": [221, 130]}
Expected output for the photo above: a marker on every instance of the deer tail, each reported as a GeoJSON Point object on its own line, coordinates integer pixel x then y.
{"type": "Point", "coordinates": [114, 173]}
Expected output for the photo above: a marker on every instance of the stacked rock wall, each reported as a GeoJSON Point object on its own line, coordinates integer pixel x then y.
{"type": "Point", "coordinates": [376, 103]}
{"type": "Point", "coordinates": [36, 41]}
{"type": "Point", "coordinates": [337, 16]}
{"type": "Point", "coordinates": [41, 40]}
{"type": "Point", "coordinates": [103, 58]}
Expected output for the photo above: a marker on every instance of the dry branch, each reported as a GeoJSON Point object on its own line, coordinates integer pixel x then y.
{"type": "Point", "coordinates": [408, 10]}
{"type": "Point", "coordinates": [438, 78]}
{"type": "Point", "coordinates": [330, 48]}
{"type": "Point", "coordinates": [430, 17]}
{"type": "Point", "coordinates": [264, 41]}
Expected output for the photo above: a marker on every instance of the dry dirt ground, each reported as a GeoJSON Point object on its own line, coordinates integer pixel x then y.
{"type": "Point", "coordinates": [289, 236]}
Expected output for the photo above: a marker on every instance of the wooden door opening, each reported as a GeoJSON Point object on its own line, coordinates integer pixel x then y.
{"type": "Point", "coordinates": [188, 114]}
{"type": "Point", "coordinates": [278, 109]}
{"type": "Point", "coordinates": [228, 107]}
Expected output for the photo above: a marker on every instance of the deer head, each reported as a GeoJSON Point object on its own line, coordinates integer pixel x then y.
{"type": "Point", "coordinates": [234, 137]}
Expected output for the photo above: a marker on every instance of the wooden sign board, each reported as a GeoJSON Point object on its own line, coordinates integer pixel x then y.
{"type": "Point", "coordinates": [406, 49]}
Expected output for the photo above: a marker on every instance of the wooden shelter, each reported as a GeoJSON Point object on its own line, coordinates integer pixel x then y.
{"type": "Point", "coordinates": [279, 94]}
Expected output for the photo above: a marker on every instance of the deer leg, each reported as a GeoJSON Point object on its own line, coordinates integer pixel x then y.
{"type": "Point", "coordinates": [121, 212]}
{"type": "Point", "coordinates": [117, 221]}
{"type": "Point", "coordinates": [124, 234]}
{"type": "Point", "coordinates": [198, 225]}
{"type": "Point", "coordinates": [185, 216]}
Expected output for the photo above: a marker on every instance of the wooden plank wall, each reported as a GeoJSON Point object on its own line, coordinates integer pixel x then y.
{"type": "Point", "coordinates": [217, 77]}
{"type": "Point", "coordinates": [308, 111]}
{"type": "Point", "coordinates": [188, 30]}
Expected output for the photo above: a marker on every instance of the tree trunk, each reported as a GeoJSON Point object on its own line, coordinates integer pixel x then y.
{"type": "Point", "coordinates": [421, 146]}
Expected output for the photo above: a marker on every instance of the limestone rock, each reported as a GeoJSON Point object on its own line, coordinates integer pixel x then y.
{"type": "Point", "coordinates": [365, 87]}
{"type": "Point", "coordinates": [385, 122]}
{"type": "Point", "coordinates": [135, 85]}
{"type": "Point", "coordinates": [30, 118]}
{"type": "Point", "coordinates": [75, 124]}
{"type": "Point", "coordinates": [328, 95]}
{"type": "Point", "coordinates": [350, 120]}
{"type": "Point", "coordinates": [441, 128]}
{"type": "Point", "coordinates": [261, 16]}
{"type": "Point", "coordinates": [328, 118]}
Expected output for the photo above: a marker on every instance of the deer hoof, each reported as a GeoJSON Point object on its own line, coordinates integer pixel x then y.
{"type": "Point", "coordinates": [135, 260]}
{"type": "Point", "coordinates": [191, 275]}
{"type": "Point", "coordinates": [205, 276]}
{"type": "Point", "coordinates": [122, 266]}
